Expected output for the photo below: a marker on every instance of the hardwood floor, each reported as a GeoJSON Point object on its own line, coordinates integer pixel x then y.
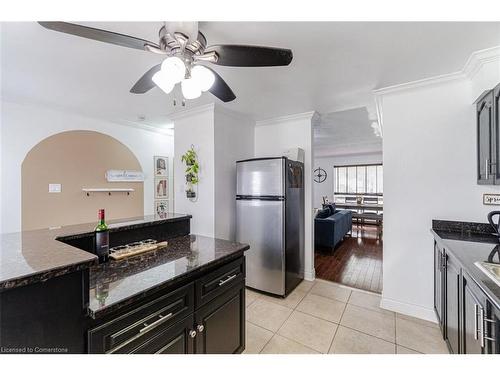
{"type": "Point", "coordinates": [356, 262]}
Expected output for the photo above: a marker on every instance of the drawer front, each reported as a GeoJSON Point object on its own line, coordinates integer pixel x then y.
{"type": "Point", "coordinates": [136, 327]}
{"type": "Point", "coordinates": [173, 340]}
{"type": "Point", "coordinates": [219, 281]}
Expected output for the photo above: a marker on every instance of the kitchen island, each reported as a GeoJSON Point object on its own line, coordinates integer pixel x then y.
{"type": "Point", "coordinates": [187, 297]}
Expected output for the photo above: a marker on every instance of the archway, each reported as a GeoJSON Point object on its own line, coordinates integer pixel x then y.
{"type": "Point", "coordinates": [76, 159]}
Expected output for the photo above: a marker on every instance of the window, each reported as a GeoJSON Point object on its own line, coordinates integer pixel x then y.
{"type": "Point", "coordinates": [358, 179]}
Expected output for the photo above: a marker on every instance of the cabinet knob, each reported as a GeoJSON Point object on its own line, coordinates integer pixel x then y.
{"type": "Point", "coordinates": [192, 333]}
{"type": "Point", "coordinates": [200, 327]}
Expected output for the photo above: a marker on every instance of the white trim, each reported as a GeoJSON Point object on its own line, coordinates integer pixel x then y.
{"type": "Point", "coordinates": [277, 120]}
{"type": "Point", "coordinates": [420, 83]}
{"type": "Point", "coordinates": [87, 115]}
{"type": "Point", "coordinates": [478, 59]}
{"type": "Point", "coordinates": [409, 309]}
{"type": "Point", "coordinates": [191, 111]}
{"type": "Point", "coordinates": [310, 275]}
{"type": "Point", "coordinates": [471, 67]}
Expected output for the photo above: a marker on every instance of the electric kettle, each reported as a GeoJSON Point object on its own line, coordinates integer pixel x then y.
{"type": "Point", "coordinates": [496, 226]}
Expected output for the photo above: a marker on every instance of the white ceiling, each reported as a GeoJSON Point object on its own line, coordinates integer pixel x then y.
{"type": "Point", "coordinates": [346, 133]}
{"type": "Point", "coordinates": [335, 66]}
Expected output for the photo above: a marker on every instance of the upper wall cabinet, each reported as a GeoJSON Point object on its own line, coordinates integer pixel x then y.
{"type": "Point", "coordinates": [488, 142]}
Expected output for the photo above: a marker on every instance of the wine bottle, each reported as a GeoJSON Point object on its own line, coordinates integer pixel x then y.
{"type": "Point", "coordinates": [102, 238]}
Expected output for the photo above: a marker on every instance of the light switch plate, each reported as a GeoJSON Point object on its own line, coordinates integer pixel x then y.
{"type": "Point", "coordinates": [54, 188]}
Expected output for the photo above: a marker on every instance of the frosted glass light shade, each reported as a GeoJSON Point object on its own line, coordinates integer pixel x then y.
{"type": "Point", "coordinates": [163, 81]}
{"type": "Point", "coordinates": [190, 89]}
{"type": "Point", "coordinates": [203, 76]}
{"type": "Point", "coordinates": [174, 69]}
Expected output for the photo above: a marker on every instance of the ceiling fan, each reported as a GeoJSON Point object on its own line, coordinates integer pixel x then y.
{"type": "Point", "coordinates": [186, 55]}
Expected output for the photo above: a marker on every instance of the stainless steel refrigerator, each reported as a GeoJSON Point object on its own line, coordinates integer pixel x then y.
{"type": "Point", "coordinates": [270, 218]}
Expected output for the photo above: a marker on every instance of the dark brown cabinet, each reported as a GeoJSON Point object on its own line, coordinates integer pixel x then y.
{"type": "Point", "coordinates": [438, 284]}
{"type": "Point", "coordinates": [473, 304]}
{"type": "Point", "coordinates": [221, 324]}
{"type": "Point", "coordinates": [451, 288]}
{"type": "Point", "coordinates": [469, 321]}
{"type": "Point", "coordinates": [174, 340]}
{"type": "Point", "coordinates": [488, 137]}
{"type": "Point", "coordinates": [204, 315]}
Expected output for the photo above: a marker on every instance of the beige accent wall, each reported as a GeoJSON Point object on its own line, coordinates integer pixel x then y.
{"type": "Point", "coordinates": [77, 159]}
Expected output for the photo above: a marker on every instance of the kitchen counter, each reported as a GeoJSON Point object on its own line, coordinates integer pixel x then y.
{"type": "Point", "coordinates": [37, 256]}
{"type": "Point", "coordinates": [118, 283]}
{"type": "Point", "coordinates": [469, 243]}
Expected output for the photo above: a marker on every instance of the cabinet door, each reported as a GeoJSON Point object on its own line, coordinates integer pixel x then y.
{"type": "Point", "coordinates": [438, 284]}
{"type": "Point", "coordinates": [174, 340]}
{"type": "Point", "coordinates": [220, 324]}
{"type": "Point", "coordinates": [496, 117]}
{"type": "Point", "coordinates": [492, 329]}
{"type": "Point", "coordinates": [486, 152]}
{"type": "Point", "coordinates": [452, 277]}
{"type": "Point", "coordinates": [471, 318]}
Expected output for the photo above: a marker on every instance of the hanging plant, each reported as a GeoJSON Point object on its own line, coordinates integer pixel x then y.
{"type": "Point", "coordinates": [192, 169]}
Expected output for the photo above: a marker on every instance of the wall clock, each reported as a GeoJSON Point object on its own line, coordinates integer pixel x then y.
{"type": "Point", "coordinates": [319, 175]}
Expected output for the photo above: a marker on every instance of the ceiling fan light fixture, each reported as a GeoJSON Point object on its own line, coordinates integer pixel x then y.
{"type": "Point", "coordinates": [190, 89]}
{"type": "Point", "coordinates": [163, 81]}
{"type": "Point", "coordinates": [203, 77]}
{"type": "Point", "coordinates": [174, 68]}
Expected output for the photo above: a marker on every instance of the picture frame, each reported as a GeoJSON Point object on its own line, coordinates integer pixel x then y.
{"type": "Point", "coordinates": [161, 188]}
{"type": "Point", "coordinates": [161, 209]}
{"type": "Point", "coordinates": [161, 166]}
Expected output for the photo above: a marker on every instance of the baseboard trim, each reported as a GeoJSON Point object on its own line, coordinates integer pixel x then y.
{"type": "Point", "coordinates": [409, 309]}
{"type": "Point", "coordinates": [310, 275]}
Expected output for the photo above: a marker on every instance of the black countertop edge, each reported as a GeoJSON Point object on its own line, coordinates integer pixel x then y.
{"type": "Point", "coordinates": [472, 271]}
{"type": "Point", "coordinates": [191, 274]}
{"type": "Point", "coordinates": [115, 226]}
{"type": "Point", "coordinates": [26, 250]}
{"type": "Point", "coordinates": [462, 227]}
{"type": "Point", "coordinates": [41, 277]}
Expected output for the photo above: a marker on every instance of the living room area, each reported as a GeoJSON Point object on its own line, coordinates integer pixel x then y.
{"type": "Point", "coordinates": [348, 198]}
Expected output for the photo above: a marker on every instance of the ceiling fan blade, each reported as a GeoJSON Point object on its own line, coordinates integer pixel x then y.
{"type": "Point", "coordinates": [98, 34]}
{"type": "Point", "coordinates": [220, 88]}
{"type": "Point", "coordinates": [236, 55]}
{"type": "Point", "coordinates": [145, 83]}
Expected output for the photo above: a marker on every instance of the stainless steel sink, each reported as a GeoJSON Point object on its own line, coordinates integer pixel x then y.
{"type": "Point", "coordinates": [491, 270]}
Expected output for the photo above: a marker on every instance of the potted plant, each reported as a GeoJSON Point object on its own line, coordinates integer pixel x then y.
{"type": "Point", "coordinates": [192, 168]}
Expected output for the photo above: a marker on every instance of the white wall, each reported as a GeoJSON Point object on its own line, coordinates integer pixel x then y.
{"type": "Point", "coordinates": [273, 138]}
{"type": "Point", "coordinates": [429, 156]}
{"type": "Point", "coordinates": [196, 128]}
{"type": "Point", "coordinates": [24, 125]}
{"type": "Point", "coordinates": [220, 138]}
{"type": "Point", "coordinates": [234, 140]}
{"type": "Point", "coordinates": [327, 163]}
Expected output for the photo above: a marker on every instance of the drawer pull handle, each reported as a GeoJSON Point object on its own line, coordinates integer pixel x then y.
{"type": "Point", "coordinates": [229, 278]}
{"type": "Point", "coordinates": [200, 327]}
{"type": "Point", "coordinates": [192, 333]}
{"type": "Point", "coordinates": [148, 327]}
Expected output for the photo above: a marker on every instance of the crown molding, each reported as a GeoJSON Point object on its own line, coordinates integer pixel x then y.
{"type": "Point", "coordinates": [479, 58]}
{"type": "Point", "coordinates": [278, 120]}
{"type": "Point", "coordinates": [84, 115]}
{"type": "Point", "coordinates": [191, 111]}
{"type": "Point", "coordinates": [474, 63]}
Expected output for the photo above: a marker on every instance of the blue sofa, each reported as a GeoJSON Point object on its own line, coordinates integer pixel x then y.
{"type": "Point", "coordinates": [331, 225]}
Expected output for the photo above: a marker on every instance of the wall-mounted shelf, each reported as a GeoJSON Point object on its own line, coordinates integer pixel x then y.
{"type": "Point", "coordinates": [107, 190]}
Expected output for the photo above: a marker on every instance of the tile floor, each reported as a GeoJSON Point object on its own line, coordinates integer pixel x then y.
{"type": "Point", "coordinates": [324, 317]}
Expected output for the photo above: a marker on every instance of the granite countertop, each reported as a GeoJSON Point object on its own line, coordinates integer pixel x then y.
{"type": "Point", "coordinates": [117, 283]}
{"type": "Point", "coordinates": [35, 256]}
{"type": "Point", "coordinates": [469, 243]}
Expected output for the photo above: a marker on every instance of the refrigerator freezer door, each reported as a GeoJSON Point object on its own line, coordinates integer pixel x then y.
{"type": "Point", "coordinates": [260, 177]}
{"type": "Point", "coordinates": [260, 223]}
